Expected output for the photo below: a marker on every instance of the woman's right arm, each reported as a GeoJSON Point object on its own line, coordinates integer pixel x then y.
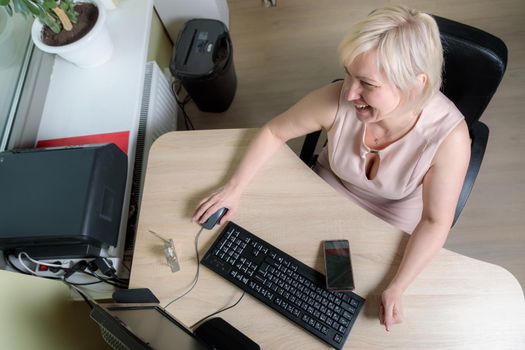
{"type": "Point", "coordinates": [314, 112]}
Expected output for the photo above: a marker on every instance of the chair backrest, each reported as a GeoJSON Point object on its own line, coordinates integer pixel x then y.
{"type": "Point", "coordinates": [475, 62]}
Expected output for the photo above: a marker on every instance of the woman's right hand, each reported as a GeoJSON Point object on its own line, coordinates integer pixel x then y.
{"type": "Point", "coordinates": [225, 197]}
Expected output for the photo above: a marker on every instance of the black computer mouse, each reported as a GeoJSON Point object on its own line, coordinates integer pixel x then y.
{"type": "Point", "coordinates": [214, 218]}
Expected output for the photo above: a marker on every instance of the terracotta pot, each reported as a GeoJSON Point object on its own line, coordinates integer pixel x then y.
{"type": "Point", "coordinates": [93, 49]}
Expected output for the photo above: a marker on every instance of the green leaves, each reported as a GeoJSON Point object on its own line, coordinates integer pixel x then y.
{"type": "Point", "coordinates": [32, 7]}
{"type": "Point", "coordinates": [43, 10]}
{"type": "Point", "coordinates": [50, 4]}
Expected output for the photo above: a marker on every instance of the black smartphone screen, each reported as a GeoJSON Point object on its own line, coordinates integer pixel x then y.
{"type": "Point", "coordinates": [338, 266]}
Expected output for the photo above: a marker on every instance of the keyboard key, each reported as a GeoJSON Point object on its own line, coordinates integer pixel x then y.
{"type": "Point", "coordinates": [344, 322]}
{"type": "Point", "coordinates": [347, 315]}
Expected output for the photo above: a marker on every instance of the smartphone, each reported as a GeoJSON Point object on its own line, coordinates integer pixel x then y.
{"type": "Point", "coordinates": [338, 265]}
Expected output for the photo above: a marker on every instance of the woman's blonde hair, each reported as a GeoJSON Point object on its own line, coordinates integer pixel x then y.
{"type": "Point", "coordinates": [407, 44]}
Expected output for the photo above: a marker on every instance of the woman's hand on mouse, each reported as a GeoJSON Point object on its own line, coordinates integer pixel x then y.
{"type": "Point", "coordinates": [225, 197]}
{"type": "Point", "coordinates": [390, 308]}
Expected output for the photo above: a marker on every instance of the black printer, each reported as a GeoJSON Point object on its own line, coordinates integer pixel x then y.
{"type": "Point", "coordinates": [61, 202]}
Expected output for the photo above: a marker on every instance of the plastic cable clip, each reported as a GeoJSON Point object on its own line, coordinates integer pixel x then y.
{"type": "Point", "coordinates": [169, 252]}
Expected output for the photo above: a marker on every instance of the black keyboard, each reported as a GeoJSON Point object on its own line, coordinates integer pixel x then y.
{"type": "Point", "coordinates": [284, 284]}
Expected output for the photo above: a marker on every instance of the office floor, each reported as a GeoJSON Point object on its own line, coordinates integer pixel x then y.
{"type": "Point", "coordinates": [282, 53]}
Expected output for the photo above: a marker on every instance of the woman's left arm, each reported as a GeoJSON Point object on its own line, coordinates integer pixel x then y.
{"type": "Point", "coordinates": [441, 188]}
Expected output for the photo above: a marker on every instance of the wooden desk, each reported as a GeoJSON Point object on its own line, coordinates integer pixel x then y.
{"type": "Point", "coordinates": [456, 303]}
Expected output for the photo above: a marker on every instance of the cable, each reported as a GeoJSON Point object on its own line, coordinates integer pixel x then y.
{"type": "Point", "coordinates": [182, 105]}
{"type": "Point", "coordinates": [70, 284]}
{"type": "Point", "coordinates": [126, 267]}
{"type": "Point", "coordinates": [114, 281]}
{"type": "Point", "coordinates": [105, 280]}
{"type": "Point", "coordinates": [10, 263]}
{"type": "Point", "coordinates": [82, 294]}
{"type": "Point", "coordinates": [196, 278]}
{"type": "Point", "coordinates": [76, 283]}
{"type": "Point", "coordinates": [24, 265]}
{"type": "Point", "coordinates": [196, 324]}
{"type": "Point", "coordinates": [14, 267]}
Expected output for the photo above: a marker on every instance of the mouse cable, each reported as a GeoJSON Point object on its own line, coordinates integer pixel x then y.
{"type": "Point", "coordinates": [198, 323]}
{"type": "Point", "coordinates": [196, 278]}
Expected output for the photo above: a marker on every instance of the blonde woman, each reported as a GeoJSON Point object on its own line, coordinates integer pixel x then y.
{"type": "Point", "coordinates": [396, 145]}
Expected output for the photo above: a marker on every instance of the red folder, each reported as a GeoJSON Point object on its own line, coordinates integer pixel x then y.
{"type": "Point", "coordinates": [120, 139]}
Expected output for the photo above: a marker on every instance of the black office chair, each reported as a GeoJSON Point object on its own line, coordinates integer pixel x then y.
{"type": "Point", "coordinates": [475, 62]}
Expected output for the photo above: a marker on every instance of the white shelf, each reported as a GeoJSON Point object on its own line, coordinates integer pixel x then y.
{"type": "Point", "coordinates": [107, 98]}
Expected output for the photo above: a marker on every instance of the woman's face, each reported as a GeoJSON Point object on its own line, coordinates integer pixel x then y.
{"type": "Point", "coordinates": [367, 88]}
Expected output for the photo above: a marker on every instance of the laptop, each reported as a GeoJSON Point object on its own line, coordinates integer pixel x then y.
{"type": "Point", "coordinates": [143, 326]}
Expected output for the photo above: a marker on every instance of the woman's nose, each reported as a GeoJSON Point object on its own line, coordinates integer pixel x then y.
{"type": "Point", "coordinates": [354, 91]}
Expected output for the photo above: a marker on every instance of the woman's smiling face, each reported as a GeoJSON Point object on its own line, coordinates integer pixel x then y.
{"type": "Point", "coordinates": [368, 89]}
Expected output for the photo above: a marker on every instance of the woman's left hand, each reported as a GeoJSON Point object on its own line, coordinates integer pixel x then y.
{"type": "Point", "coordinates": [390, 307]}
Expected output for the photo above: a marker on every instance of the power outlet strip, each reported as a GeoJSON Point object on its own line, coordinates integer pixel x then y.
{"type": "Point", "coordinates": [43, 270]}
{"type": "Point", "coordinates": [88, 284]}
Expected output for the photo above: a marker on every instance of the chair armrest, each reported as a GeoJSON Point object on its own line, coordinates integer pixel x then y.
{"type": "Point", "coordinates": [479, 134]}
{"type": "Point", "coordinates": [308, 149]}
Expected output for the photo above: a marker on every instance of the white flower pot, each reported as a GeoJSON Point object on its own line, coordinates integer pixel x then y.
{"type": "Point", "coordinates": [93, 49]}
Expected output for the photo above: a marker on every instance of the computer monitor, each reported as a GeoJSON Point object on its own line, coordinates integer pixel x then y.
{"type": "Point", "coordinates": [143, 326]}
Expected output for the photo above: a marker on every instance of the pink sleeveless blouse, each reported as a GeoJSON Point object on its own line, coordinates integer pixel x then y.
{"type": "Point", "coordinates": [395, 193]}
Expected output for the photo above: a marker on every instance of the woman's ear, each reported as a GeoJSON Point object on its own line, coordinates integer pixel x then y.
{"type": "Point", "coordinates": [423, 79]}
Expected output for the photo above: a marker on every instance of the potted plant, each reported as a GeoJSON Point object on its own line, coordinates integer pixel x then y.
{"type": "Point", "coordinates": [76, 31]}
